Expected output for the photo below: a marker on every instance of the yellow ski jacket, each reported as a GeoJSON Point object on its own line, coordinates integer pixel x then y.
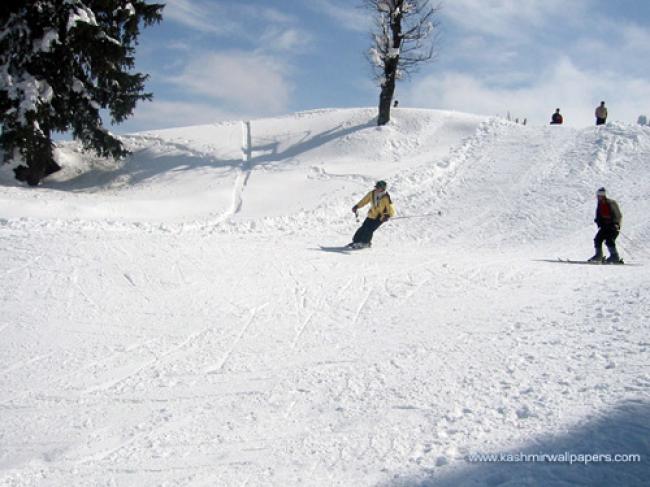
{"type": "Point", "coordinates": [381, 206]}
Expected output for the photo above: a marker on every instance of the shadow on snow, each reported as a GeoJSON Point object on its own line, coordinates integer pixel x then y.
{"type": "Point", "coordinates": [625, 430]}
{"type": "Point", "coordinates": [146, 163]}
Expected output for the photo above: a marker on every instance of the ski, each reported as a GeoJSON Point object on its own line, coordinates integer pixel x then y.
{"type": "Point", "coordinates": [561, 260]}
{"type": "Point", "coordinates": [345, 249]}
{"type": "Point", "coordinates": [590, 262]}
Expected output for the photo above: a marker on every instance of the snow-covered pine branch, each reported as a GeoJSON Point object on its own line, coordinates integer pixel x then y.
{"type": "Point", "coordinates": [61, 62]}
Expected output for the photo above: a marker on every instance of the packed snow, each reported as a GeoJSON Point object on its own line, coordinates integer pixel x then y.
{"type": "Point", "coordinates": [170, 319]}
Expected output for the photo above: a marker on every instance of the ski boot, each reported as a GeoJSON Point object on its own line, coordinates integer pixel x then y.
{"type": "Point", "coordinates": [598, 256]}
{"type": "Point", "coordinates": [613, 258]}
{"type": "Point", "coordinates": [360, 245]}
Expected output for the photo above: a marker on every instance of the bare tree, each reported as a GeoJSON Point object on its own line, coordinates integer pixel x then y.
{"type": "Point", "coordinates": [405, 36]}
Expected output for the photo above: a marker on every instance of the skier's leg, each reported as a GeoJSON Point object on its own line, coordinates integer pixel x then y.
{"type": "Point", "coordinates": [371, 230]}
{"type": "Point", "coordinates": [598, 244]}
{"type": "Point", "coordinates": [357, 234]}
{"type": "Point", "coordinates": [610, 242]}
{"type": "Point", "coordinates": [361, 235]}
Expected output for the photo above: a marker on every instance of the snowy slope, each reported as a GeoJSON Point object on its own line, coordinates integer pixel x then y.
{"type": "Point", "coordinates": [170, 319]}
{"type": "Point", "coordinates": [196, 173]}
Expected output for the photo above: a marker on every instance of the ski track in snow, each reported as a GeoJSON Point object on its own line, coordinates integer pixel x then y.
{"type": "Point", "coordinates": [227, 351]}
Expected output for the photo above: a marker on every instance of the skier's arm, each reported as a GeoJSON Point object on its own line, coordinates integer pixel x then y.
{"type": "Point", "coordinates": [617, 217]}
{"type": "Point", "coordinates": [364, 201]}
{"type": "Point", "coordinates": [387, 209]}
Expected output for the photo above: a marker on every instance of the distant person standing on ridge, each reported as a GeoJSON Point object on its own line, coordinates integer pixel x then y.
{"type": "Point", "coordinates": [608, 218]}
{"type": "Point", "coordinates": [381, 209]}
{"type": "Point", "coordinates": [601, 114]}
{"type": "Point", "coordinates": [556, 118]}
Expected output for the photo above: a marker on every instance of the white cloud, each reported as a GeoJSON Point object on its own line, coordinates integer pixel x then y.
{"type": "Point", "coordinates": [264, 13]}
{"type": "Point", "coordinates": [529, 57]}
{"type": "Point", "coordinates": [510, 19]}
{"type": "Point", "coordinates": [201, 15]}
{"type": "Point", "coordinates": [636, 38]}
{"type": "Point", "coordinates": [240, 80]}
{"type": "Point", "coordinates": [348, 15]}
{"type": "Point", "coordinates": [575, 91]}
{"type": "Point", "coordinates": [179, 45]}
{"type": "Point", "coordinates": [255, 78]}
{"type": "Point", "coordinates": [285, 40]}
{"type": "Point", "coordinates": [168, 114]}
{"type": "Point", "coordinates": [240, 22]}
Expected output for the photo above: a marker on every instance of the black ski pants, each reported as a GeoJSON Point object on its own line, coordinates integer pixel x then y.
{"type": "Point", "coordinates": [600, 121]}
{"type": "Point", "coordinates": [607, 234]}
{"type": "Point", "coordinates": [365, 231]}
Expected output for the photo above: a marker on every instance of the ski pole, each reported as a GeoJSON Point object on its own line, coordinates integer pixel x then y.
{"type": "Point", "coordinates": [630, 252]}
{"type": "Point", "coordinates": [416, 216]}
{"type": "Point", "coordinates": [634, 244]}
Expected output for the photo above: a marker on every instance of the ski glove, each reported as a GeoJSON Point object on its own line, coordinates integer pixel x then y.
{"type": "Point", "coordinates": [354, 209]}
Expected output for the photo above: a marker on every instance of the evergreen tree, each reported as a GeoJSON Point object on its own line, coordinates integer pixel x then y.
{"type": "Point", "coordinates": [404, 38]}
{"type": "Point", "coordinates": [61, 61]}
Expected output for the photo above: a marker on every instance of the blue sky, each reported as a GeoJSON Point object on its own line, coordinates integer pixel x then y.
{"type": "Point", "coordinates": [213, 60]}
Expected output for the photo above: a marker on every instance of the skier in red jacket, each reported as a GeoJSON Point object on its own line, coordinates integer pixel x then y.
{"type": "Point", "coordinates": [609, 219]}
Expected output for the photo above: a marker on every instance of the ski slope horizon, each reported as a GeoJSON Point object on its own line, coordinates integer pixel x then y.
{"type": "Point", "coordinates": [169, 319]}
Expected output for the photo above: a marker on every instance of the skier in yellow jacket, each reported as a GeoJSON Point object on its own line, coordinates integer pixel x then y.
{"type": "Point", "coordinates": [381, 209]}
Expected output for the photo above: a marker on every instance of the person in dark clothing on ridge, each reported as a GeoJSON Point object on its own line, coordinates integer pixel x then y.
{"type": "Point", "coordinates": [609, 219]}
{"type": "Point", "coordinates": [556, 118]}
{"type": "Point", "coordinates": [601, 114]}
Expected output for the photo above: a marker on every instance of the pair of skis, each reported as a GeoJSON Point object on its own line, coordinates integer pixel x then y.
{"type": "Point", "coordinates": [561, 260]}
{"type": "Point", "coordinates": [589, 262]}
{"type": "Point", "coordinates": [346, 249]}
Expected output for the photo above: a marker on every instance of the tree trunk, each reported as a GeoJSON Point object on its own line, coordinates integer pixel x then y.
{"type": "Point", "coordinates": [39, 158]}
{"type": "Point", "coordinates": [387, 92]}
{"type": "Point", "coordinates": [391, 64]}
{"type": "Point", "coordinates": [385, 98]}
